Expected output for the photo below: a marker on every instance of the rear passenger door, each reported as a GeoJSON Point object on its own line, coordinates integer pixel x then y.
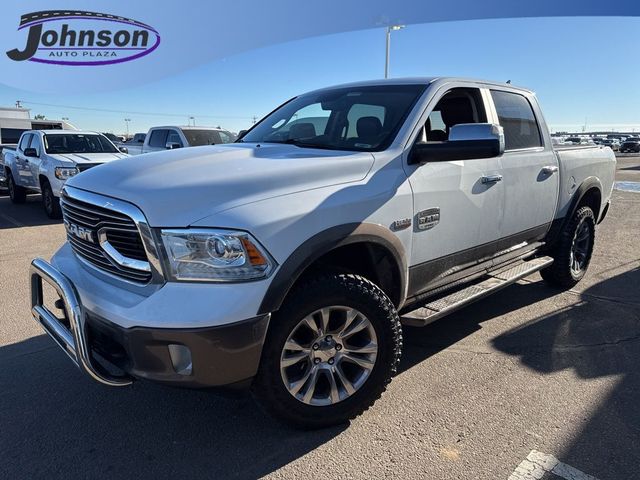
{"type": "Point", "coordinates": [529, 167]}
{"type": "Point", "coordinates": [24, 176]}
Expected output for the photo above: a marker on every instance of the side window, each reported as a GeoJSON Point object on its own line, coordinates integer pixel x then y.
{"type": "Point", "coordinates": [24, 141]}
{"type": "Point", "coordinates": [459, 105]}
{"type": "Point", "coordinates": [158, 138]}
{"type": "Point", "coordinates": [35, 143]}
{"type": "Point", "coordinates": [225, 137]}
{"type": "Point", "coordinates": [518, 120]}
{"type": "Point", "coordinates": [173, 137]}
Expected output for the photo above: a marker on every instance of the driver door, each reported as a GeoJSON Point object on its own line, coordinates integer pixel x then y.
{"type": "Point", "coordinates": [457, 204]}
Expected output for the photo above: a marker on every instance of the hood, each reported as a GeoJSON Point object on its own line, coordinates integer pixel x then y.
{"type": "Point", "coordinates": [86, 157]}
{"type": "Point", "coordinates": [175, 188]}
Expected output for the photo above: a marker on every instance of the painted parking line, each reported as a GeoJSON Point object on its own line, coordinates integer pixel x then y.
{"type": "Point", "coordinates": [628, 186]}
{"type": "Point", "coordinates": [538, 464]}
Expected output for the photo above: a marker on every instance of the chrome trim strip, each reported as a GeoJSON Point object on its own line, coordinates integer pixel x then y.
{"type": "Point", "coordinates": [73, 341]}
{"type": "Point", "coordinates": [132, 212]}
{"type": "Point", "coordinates": [117, 257]}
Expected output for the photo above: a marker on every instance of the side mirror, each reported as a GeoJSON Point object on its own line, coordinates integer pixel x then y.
{"type": "Point", "coordinates": [172, 145]}
{"type": "Point", "coordinates": [123, 149]}
{"type": "Point", "coordinates": [467, 141]}
{"type": "Point", "coordinates": [241, 134]}
{"type": "Point", "coordinates": [30, 152]}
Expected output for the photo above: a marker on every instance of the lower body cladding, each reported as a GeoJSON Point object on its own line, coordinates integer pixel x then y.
{"type": "Point", "coordinates": [195, 357]}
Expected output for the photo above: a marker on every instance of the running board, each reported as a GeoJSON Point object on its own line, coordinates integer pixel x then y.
{"type": "Point", "coordinates": [490, 283]}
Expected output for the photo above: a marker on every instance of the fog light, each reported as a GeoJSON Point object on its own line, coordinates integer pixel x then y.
{"type": "Point", "coordinates": [181, 359]}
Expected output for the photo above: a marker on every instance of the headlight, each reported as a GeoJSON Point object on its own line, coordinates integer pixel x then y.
{"type": "Point", "coordinates": [214, 255]}
{"type": "Point", "coordinates": [64, 173]}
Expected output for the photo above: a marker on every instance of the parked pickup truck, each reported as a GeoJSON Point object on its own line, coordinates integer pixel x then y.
{"type": "Point", "coordinates": [288, 260]}
{"type": "Point", "coordinates": [45, 159]}
{"type": "Point", "coordinates": [171, 137]}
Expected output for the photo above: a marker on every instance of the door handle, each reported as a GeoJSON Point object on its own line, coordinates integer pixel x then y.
{"type": "Point", "coordinates": [549, 169]}
{"type": "Point", "coordinates": [487, 179]}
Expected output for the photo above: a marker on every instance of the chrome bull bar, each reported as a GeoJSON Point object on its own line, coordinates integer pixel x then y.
{"type": "Point", "coordinates": [74, 340]}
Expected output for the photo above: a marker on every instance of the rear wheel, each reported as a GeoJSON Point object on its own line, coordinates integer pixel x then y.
{"type": "Point", "coordinates": [331, 350]}
{"type": "Point", "coordinates": [17, 194]}
{"type": "Point", "coordinates": [572, 255]}
{"type": "Point", "coordinates": [50, 201]}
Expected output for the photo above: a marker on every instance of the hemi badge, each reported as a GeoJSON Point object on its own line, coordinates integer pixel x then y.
{"type": "Point", "coordinates": [401, 224]}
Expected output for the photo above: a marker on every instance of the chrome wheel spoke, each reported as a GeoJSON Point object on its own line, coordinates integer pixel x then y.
{"type": "Point", "coordinates": [292, 359]}
{"type": "Point", "coordinates": [313, 381]}
{"type": "Point", "coordinates": [294, 346]}
{"type": "Point", "coordinates": [363, 362]}
{"type": "Point", "coordinates": [357, 325]}
{"type": "Point", "coordinates": [321, 364]}
{"type": "Point", "coordinates": [334, 394]}
{"type": "Point", "coordinates": [310, 322]}
{"type": "Point", "coordinates": [295, 387]}
{"type": "Point", "coordinates": [371, 347]}
{"type": "Point", "coordinates": [346, 383]}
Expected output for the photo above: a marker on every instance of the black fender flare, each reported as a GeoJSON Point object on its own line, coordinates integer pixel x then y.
{"type": "Point", "coordinates": [559, 223]}
{"type": "Point", "coordinates": [324, 242]}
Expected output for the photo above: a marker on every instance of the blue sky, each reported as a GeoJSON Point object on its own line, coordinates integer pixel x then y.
{"type": "Point", "coordinates": [581, 68]}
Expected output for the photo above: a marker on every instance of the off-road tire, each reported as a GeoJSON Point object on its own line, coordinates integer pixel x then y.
{"type": "Point", "coordinates": [560, 273]}
{"type": "Point", "coordinates": [349, 290]}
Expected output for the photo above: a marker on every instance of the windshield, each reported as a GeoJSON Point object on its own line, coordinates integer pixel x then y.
{"type": "Point", "coordinates": [348, 118]}
{"type": "Point", "coordinates": [207, 137]}
{"type": "Point", "coordinates": [78, 143]}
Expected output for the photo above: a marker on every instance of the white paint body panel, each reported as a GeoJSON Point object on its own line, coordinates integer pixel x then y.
{"type": "Point", "coordinates": [285, 195]}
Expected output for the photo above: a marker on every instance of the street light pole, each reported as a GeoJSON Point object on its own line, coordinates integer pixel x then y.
{"type": "Point", "coordinates": [390, 28]}
{"type": "Point", "coordinates": [126, 122]}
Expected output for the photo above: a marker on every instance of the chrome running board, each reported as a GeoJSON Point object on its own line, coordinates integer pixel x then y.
{"type": "Point", "coordinates": [486, 285]}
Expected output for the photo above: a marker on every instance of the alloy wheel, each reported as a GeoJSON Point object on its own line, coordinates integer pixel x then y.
{"type": "Point", "coordinates": [329, 355]}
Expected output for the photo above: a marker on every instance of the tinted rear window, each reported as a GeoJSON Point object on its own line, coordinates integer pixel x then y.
{"type": "Point", "coordinates": [518, 120]}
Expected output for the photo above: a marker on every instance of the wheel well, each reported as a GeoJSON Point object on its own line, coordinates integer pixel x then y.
{"type": "Point", "coordinates": [372, 261]}
{"type": "Point", "coordinates": [42, 179]}
{"type": "Point", "coordinates": [592, 199]}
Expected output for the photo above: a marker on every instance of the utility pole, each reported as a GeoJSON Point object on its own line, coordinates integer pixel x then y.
{"type": "Point", "coordinates": [255, 119]}
{"type": "Point", "coordinates": [390, 28]}
{"type": "Point", "coordinates": [18, 103]}
{"type": "Point", "coordinates": [192, 119]}
{"type": "Point", "coordinates": [126, 122]}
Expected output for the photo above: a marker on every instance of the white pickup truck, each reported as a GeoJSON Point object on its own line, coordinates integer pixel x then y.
{"type": "Point", "coordinates": [172, 137]}
{"type": "Point", "coordinates": [287, 261]}
{"type": "Point", "coordinates": [45, 159]}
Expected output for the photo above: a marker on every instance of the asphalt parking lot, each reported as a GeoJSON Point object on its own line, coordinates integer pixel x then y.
{"type": "Point", "coordinates": [530, 368]}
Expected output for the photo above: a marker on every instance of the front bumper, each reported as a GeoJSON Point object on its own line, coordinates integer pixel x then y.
{"type": "Point", "coordinates": [188, 357]}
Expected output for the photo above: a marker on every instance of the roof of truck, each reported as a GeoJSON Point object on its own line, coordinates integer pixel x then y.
{"type": "Point", "coordinates": [60, 132]}
{"type": "Point", "coordinates": [190, 127]}
{"type": "Point", "coordinates": [425, 81]}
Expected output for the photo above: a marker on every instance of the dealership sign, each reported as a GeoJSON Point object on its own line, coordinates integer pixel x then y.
{"type": "Point", "coordinates": [71, 37]}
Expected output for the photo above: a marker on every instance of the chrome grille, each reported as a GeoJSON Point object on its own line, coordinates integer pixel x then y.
{"type": "Point", "coordinates": [121, 231]}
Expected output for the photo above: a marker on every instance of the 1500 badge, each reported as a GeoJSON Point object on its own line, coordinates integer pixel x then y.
{"type": "Point", "coordinates": [72, 37]}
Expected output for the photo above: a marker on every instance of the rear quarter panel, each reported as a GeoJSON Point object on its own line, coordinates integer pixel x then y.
{"type": "Point", "coordinates": [577, 164]}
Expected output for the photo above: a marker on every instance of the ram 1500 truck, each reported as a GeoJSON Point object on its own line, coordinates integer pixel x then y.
{"type": "Point", "coordinates": [45, 159]}
{"type": "Point", "coordinates": [287, 261]}
{"type": "Point", "coordinates": [172, 137]}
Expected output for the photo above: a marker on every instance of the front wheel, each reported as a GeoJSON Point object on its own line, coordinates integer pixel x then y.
{"type": "Point", "coordinates": [330, 352]}
{"type": "Point", "coordinates": [572, 254]}
{"type": "Point", "coordinates": [50, 201]}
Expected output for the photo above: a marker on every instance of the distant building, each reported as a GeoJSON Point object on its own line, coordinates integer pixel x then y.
{"type": "Point", "coordinates": [14, 121]}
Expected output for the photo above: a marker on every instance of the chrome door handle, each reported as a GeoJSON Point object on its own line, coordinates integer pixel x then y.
{"type": "Point", "coordinates": [491, 179]}
{"type": "Point", "coordinates": [549, 169]}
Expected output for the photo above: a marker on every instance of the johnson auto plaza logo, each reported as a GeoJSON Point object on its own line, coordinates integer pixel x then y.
{"type": "Point", "coordinates": [71, 37]}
